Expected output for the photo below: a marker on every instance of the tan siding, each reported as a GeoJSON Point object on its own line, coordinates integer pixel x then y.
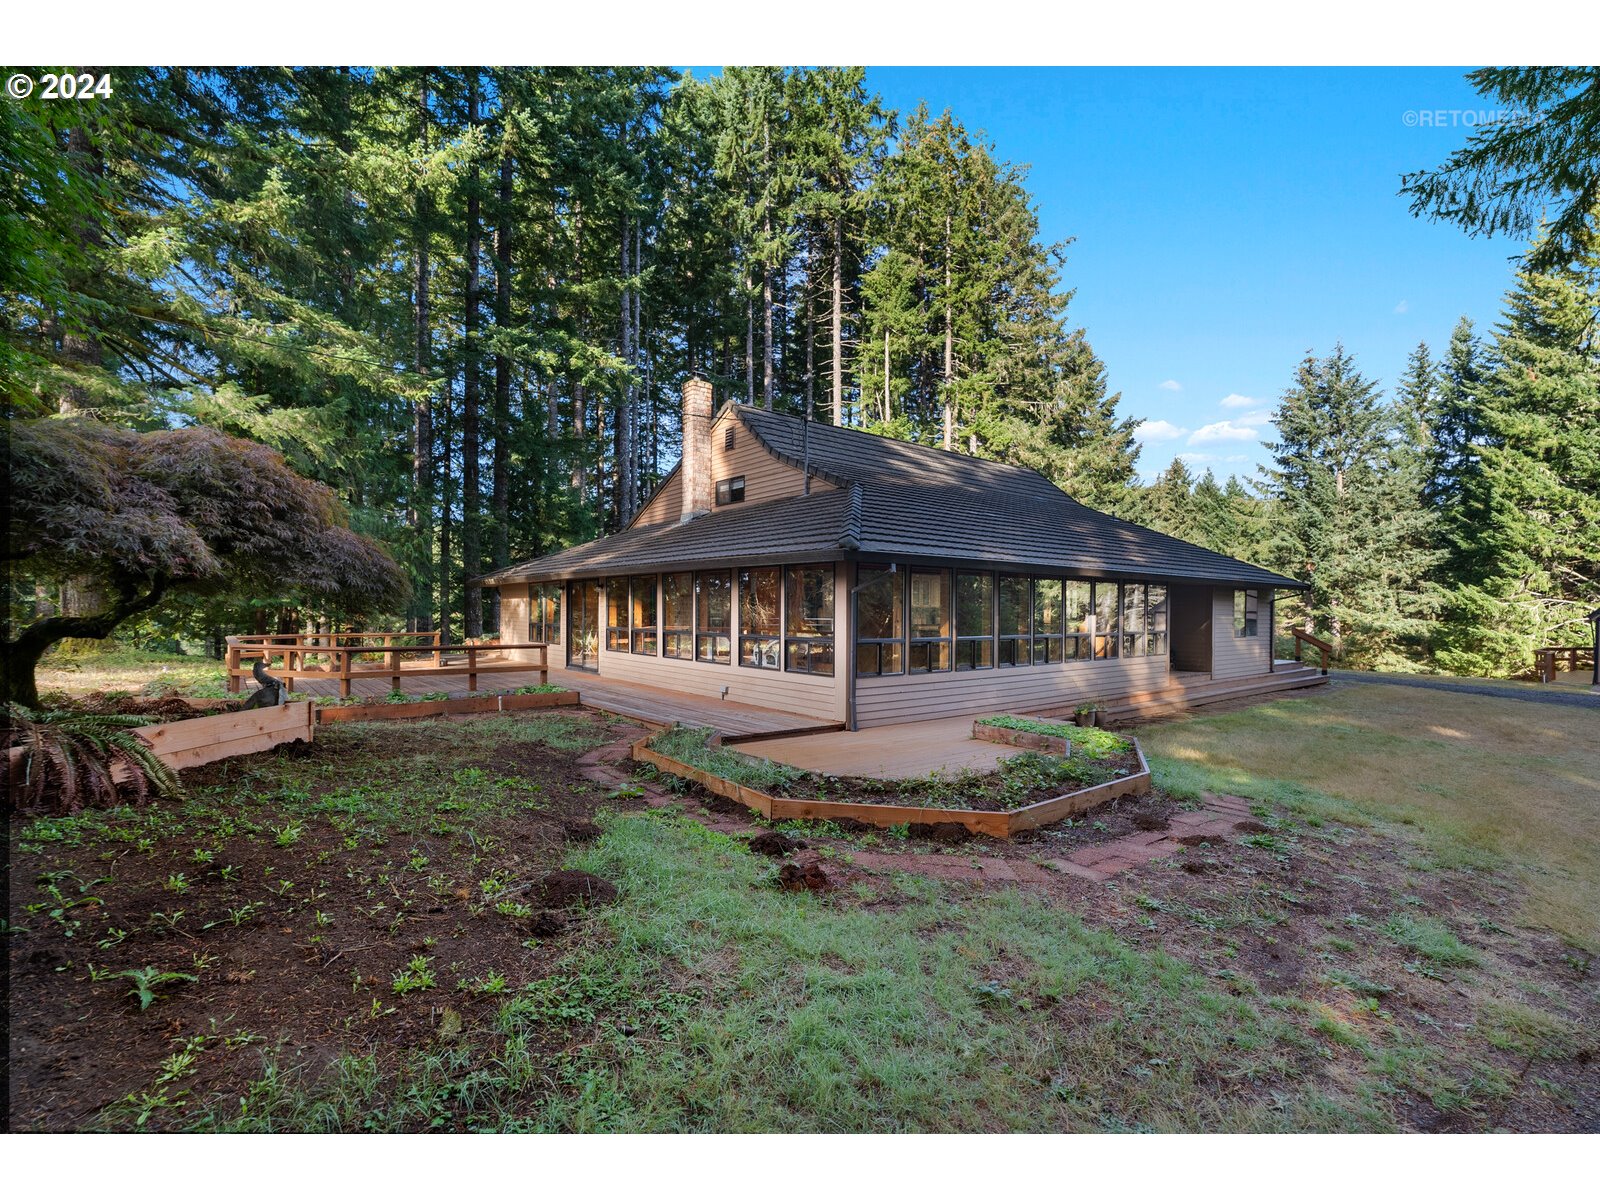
{"type": "Point", "coordinates": [898, 699]}
{"type": "Point", "coordinates": [765, 478]}
{"type": "Point", "coordinates": [808, 695]}
{"type": "Point", "coordinates": [1232, 657]}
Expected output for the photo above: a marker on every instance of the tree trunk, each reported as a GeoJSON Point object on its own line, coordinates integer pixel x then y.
{"type": "Point", "coordinates": [949, 348]}
{"type": "Point", "coordinates": [419, 511]}
{"type": "Point", "coordinates": [471, 553]}
{"type": "Point", "coordinates": [500, 500]}
{"type": "Point", "coordinates": [749, 351]}
{"type": "Point", "coordinates": [838, 321]}
{"type": "Point", "coordinates": [19, 659]}
{"type": "Point", "coordinates": [886, 394]}
{"type": "Point", "coordinates": [445, 499]}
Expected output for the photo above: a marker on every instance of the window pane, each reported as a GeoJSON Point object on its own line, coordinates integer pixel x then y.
{"type": "Point", "coordinates": [713, 608]}
{"type": "Point", "coordinates": [1105, 620]}
{"type": "Point", "coordinates": [974, 654]}
{"type": "Point", "coordinates": [1046, 606]}
{"type": "Point", "coordinates": [677, 610]}
{"type": "Point", "coordinates": [617, 602]}
{"type": "Point", "coordinates": [1132, 619]}
{"type": "Point", "coordinates": [930, 604]}
{"type": "Point", "coordinates": [974, 605]}
{"type": "Point", "coordinates": [643, 588]}
{"type": "Point", "coordinates": [758, 601]}
{"type": "Point", "coordinates": [1156, 620]}
{"type": "Point", "coordinates": [878, 603]}
{"type": "Point", "coordinates": [810, 601]}
{"type": "Point", "coordinates": [1016, 605]}
{"type": "Point", "coordinates": [809, 620]}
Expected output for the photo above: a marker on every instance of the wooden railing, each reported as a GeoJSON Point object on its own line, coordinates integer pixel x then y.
{"type": "Point", "coordinates": [339, 656]}
{"type": "Point", "coordinates": [1577, 658]}
{"type": "Point", "coordinates": [1303, 639]}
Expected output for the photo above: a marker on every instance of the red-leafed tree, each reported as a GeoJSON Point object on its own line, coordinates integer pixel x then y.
{"type": "Point", "coordinates": [160, 516]}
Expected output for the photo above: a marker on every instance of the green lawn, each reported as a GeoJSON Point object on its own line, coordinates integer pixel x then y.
{"type": "Point", "coordinates": [1519, 782]}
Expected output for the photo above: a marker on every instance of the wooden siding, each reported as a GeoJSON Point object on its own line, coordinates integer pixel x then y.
{"type": "Point", "coordinates": [1232, 657]}
{"type": "Point", "coordinates": [1189, 621]}
{"type": "Point", "coordinates": [514, 620]}
{"type": "Point", "coordinates": [817, 696]}
{"type": "Point", "coordinates": [896, 699]}
{"type": "Point", "coordinates": [765, 478]}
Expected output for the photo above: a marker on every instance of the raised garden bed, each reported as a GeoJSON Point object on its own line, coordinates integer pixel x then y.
{"type": "Point", "coordinates": [198, 740]}
{"type": "Point", "coordinates": [381, 710]}
{"type": "Point", "coordinates": [978, 803]}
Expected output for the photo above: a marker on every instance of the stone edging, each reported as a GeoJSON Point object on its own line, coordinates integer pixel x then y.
{"type": "Point", "coordinates": [995, 824]}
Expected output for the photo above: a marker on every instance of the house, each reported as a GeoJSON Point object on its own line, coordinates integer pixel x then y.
{"type": "Point", "coordinates": [855, 578]}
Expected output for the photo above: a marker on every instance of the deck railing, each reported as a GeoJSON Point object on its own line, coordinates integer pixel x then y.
{"type": "Point", "coordinates": [348, 657]}
{"type": "Point", "coordinates": [1546, 658]}
{"type": "Point", "coordinates": [1303, 639]}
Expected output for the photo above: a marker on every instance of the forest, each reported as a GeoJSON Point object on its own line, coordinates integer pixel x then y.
{"type": "Point", "coordinates": [461, 303]}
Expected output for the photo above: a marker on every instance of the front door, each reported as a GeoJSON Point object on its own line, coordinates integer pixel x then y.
{"type": "Point", "coordinates": [583, 625]}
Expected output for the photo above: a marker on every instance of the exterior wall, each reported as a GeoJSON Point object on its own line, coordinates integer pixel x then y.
{"type": "Point", "coordinates": [1190, 622]}
{"type": "Point", "coordinates": [1232, 657]}
{"type": "Point", "coordinates": [899, 699]}
{"type": "Point", "coordinates": [819, 696]}
{"type": "Point", "coordinates": [765, 478]}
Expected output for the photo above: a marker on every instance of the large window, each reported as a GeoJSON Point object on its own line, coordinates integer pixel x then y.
{"type": "Point", "coordinates": [1105, 620]}
{"type": "Point", "coordinates": [713, 616]}
{"type": "Point", "coordinates": [1132, 620]}
{"type": "Point", "coordinates": [1016, 620]}
{"type": "Point", "coordinates": [808, 644]}
{"type": "Point", "coordinates": [617, 615]}
{"type": "Point", "coordinates": [974, 622]}
{"type": "Point", "coordinates": [544, 612]}
{"type": "Point", "coordinates": [929, 614]}
{"type": "Point", "coordinates": [1246, 611]}
{"type": "Point", "coordinates": [677, 612]}
{"type": "Point", "coordinates": [1155, 620]}
{"type": "Point", "coordinates": [879, 631]}
{"type": "Point", "coordinates": [1047, 620]}
{"type": "Point", "coordinates": [759, 627]}
{"type": "Point", "coordinates": [1076, 608]}
{"type": "Point", "coordinates": [643, 591]}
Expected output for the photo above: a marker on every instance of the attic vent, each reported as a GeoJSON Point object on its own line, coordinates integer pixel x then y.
{"type": "Point", "coordinates": [727, 439]}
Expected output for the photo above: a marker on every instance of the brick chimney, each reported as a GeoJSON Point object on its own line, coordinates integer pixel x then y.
{"type": "Point", "coordinates": [698, 486]}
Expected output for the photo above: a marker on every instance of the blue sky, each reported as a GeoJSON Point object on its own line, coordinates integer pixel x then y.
{"type": "Point", "coordinates": [1227, 221]}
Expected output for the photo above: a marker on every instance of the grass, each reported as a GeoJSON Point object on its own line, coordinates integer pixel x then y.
{"type": "Point", "coordinates": [115, 668]}
{"type": "Point", "coordinates": [1486, 779]}
{"type": "Point", "coordinates": [1096, 743]}
{"type": "Point", "coordinates": [688, 744]}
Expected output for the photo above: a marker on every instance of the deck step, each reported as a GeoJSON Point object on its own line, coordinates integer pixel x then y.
{"type": "Point", "coordinates": [1122, 711]}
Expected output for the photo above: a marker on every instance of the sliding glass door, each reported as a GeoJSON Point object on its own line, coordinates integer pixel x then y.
{"type": "Point", "coordinates": [583, 641]}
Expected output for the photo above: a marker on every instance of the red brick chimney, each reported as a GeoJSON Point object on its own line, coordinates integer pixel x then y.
{"type": "Point", "coordinates": [698, 486]}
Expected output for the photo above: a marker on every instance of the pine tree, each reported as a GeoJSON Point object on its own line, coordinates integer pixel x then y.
{"type": "Point", "coordinates": [1349, 520]}
{"type": "Point", "coordinates": [1526, 546]}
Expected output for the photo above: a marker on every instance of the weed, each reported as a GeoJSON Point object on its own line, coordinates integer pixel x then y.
{"type": "Point", "coordinates": [415, 976]}
{"type": "Point", "coordinates": [287, 835]}
{"type": "Point", "coordinates": [147, 979]}
{"type": "Point", "coordinates": [1431, 939]}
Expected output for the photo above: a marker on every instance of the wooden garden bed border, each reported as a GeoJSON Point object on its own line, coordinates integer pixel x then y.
{"type": "Point", "coordinates": [196, 741]}
{"type": "Point", "coordinates": [1023, 739]}
{"type": "Point", "coordinates": [995, 824]}
{"type": "Point", "coordinates": [329, 714]}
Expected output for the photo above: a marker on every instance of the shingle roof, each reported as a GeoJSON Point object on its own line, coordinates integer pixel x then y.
{"type": "Point", "coordinates": [899, 500]}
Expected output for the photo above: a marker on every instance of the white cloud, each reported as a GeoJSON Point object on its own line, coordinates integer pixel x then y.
{"type": "Point", "coordinates": [1195, 458]}
{"type": "Point", "coordinates": [1223, 431]}
{"type": "Point", "coordinates": [1403, 307]}
{"type": "Point", "coordinates": [1171, 385]}
{"type": "Point", "coordinates": [1234, 400]}
{"type": "Point", "coordinates": [1158, 431]}
{"type": "Point", "coordinates": [1260, 417]}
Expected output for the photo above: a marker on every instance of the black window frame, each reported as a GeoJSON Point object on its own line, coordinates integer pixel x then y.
{"type": "Point", "coordinates": [1014, 646]}
{"type": "Point", "coordinates": [644, 639]}
{"type": "Point", "coordinates": [765, 645]}
{"type": "Point", "coordinates": [1107, 644]}
{"type": "Point", "coordinates": [719, 638]}
{"type": "Point", "coordinates": [1246, 612]}
{"type": "Point", "coordinates": [1157, 641]}
{"type": "Point", "coordinates": [934, 651]}
{"type": "Point", "coordinates": [807, 653]}
{"type": "Point", "coordinates": [872, 650]}
{"type": "Point", "coordinates": [730, 490]}
{"type": "Point", "coordinates": [616, 639]}
{"type": "Point", "coordinates": [971, 647]}
{"type": "Point", "coordinates": [677, 639]}
{"type": "Point", "coordinates": [1050, 640]}
{"type": "Point", "coordinates": [1078, 645]}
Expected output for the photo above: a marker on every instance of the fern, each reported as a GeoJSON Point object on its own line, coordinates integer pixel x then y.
{"type": "Point", "coordinates": [69, 761]}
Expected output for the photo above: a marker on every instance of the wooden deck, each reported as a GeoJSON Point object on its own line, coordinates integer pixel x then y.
{"type": "Point", "coordinates": [656, 706]}
{"type": "Point", "coordinates": [887, 751]}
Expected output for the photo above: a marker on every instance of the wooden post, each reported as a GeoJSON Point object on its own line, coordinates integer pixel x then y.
{"type": "Point", "coordinates": [342, 664]}
{"type": "Point", "coordinates": [438, 656]}
{"type": "Point", "coordinates": [472, 668]}
{"type": "Point", "coordinates": [234, 682]}
{"type": "Point", "coordinates": [544, 664]}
